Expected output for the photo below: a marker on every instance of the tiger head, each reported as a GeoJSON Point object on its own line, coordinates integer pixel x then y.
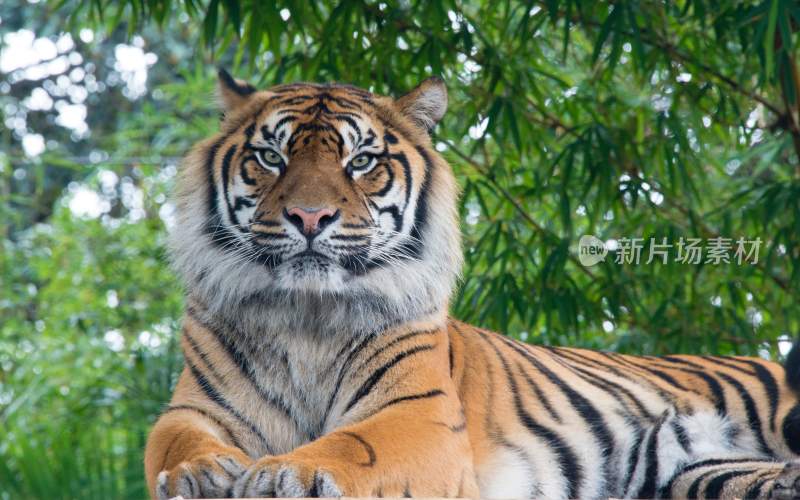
{"type": "Point", "coordinates": [319, 207]}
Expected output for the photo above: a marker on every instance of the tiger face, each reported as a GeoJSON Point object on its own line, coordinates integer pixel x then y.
{"type": "Point", "coordinates": [320, 196]}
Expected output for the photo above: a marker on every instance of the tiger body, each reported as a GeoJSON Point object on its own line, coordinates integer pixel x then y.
{"type": "Point", "coordinates": [318, 237]}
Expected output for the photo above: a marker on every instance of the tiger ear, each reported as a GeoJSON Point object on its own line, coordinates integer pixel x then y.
{"type": "Point", "coordinates": [426, 104]}
{"type": "Point", "coordinates": [231, 92]}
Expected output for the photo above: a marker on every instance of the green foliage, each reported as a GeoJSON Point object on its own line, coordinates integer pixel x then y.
{"type": "Point", "coordinates": [629, 119]}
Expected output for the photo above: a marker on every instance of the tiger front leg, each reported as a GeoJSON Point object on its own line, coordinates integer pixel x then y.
{"type": "Point", "coordinates": [399, 455]}
{"type": "Point", "coordinates": [403, 433]}
{"type": "Point", "coordinates": [187, 456]}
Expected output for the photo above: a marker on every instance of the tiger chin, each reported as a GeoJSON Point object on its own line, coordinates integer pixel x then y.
{"type": "Point", "coordinates": [317, 235]}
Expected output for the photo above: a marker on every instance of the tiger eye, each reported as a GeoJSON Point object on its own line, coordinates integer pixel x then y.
{"type": "Point", "coordinates": [360, 161]}
{"type": "Point", "coordinates": [272, 157]}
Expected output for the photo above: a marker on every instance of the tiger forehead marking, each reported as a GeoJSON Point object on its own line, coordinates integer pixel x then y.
{"type": "Point", "coordinates": [319, 113]}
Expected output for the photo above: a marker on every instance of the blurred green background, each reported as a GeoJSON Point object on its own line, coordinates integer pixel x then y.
{"type": "Point", "coordinates": [625, 119]}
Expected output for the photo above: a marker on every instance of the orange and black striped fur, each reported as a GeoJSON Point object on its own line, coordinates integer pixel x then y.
{"type": "Point", "coordinates": [317, 235]}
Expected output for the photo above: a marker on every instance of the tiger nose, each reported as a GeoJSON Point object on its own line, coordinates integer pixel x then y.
{"type": "Point", "coordinates": [310, 221]}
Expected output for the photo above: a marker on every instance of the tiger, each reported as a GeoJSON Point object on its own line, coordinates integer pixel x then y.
{"type": "Point", "coordinates": [317, 236]}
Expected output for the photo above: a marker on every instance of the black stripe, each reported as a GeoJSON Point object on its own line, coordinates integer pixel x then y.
{"type": "Point", "coordinates": [633, 461]}
{"type": "Point", "coordinates": [450, 356]}
{"type": "Point", "coordinates": [770, 387]}
{"type": "Point", "coordinates": [248, 131]}
{"type": "Point", "coordinates": [348, 237]}
{"type": "Point", "coordinates": [610, 387]}
{"type": "Point", "coordinates": [317, 108]}
{"type": "Point", "coordinates": [413, 397]}
{"type": "Point", "coordinates": [662, 375]}
{"type": "Point", "coordinates": [209, 416]}
{"type": "Point", "coordinates": [752, 411]}
{"type": "Point", "coordinates": [664, 395]}
{"type": "Point", "coordinates": [263, 235]}
{"type": "Point", "coordinates": [715, 388]}
{"type": "Point", "coordinates": [455, 428]}
{"type": "Point", "coordinates": [713, 385]}
{"type": "Point", "coordinates": [293, 101]}
{"type": "Point", "coordinates": [350, 121]}
{"type": "Point", "coordinates": [396, 129]}
{"type": "Point", "coordinates": [313, 127]}
{"type": "Point", "coordinates": [268, 223]}
{"type": "Point", "coordinates": [241, 202]}
{"type": "Point", "coordinates": [716, 485]}
{"type": "Point", "coordinates": [202, 355]}
{"type": "Point", "coordinates": [243, 171]}
{"type": "Point", "coordinates": [370, 140]}
{"type": "Point", "coordinates": [212, 394]}
{"type": "Point", "coordinates": [567, 459]}
{"type": "Point", "coordinates": [213, 227]}
{"type": "Point", "coordinates": [712, 462]}
{"type": "Point", "coordinates": [241, 361]}
{"type": "Point", "coordinates": [389, 182]}
{"type": "Point", "coordinates": [680, 433]}
{"type": "Point", "coordinates": [378, 374]}
{"type": "Point", "coordinates": [719, 360]}
{"type": "Point", "coordinates": [344, 367]}
{"type": "Point", "coordinates": [614, 389]}
{"type": "Point", "coordinates": [190, 482]}
{"type": "Point", "coordinates": [226, 166]}
{"type": "Point", "coordinates": [593, 417]}
{"type": "Point", "coordinates": [254, 478]}
{"type": "Point", "coordinates": [280, 123]}
{"type": "Point", "coordinates": [209, 477]}
{"type": "Point", "coordinates": [397, 219]}
{"type": "Point", "coordinates": [421, 210]}
{"type": "Point", "coordinates": [648, 489]}
{"type": "Point", "coordinates": [695, 486]}
{"type": "Point", "coordinates": [340, 101]}
{"type": "Point", "coordinates": [540, 396]}
{"type": "Point", "coordinates": [754, 491]}
{"type": "Point", "coordinates": [403, 159]}
{"type": "Point", "coordinates": [451, 352]}
{"type": "Point", "coordinates": [391, 344]}
{"type": "Point", "coordinates": [367, 447]}
{"type": "Point", "coordinates": [681, 361]}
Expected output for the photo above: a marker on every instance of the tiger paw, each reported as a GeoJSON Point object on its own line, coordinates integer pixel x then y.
{"type": "Point", "coordinates": [282, 477]}
{"type": "Point", "coordinates": [207, 476]}
{"type": "Point", "coordinates": [787, 485]}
